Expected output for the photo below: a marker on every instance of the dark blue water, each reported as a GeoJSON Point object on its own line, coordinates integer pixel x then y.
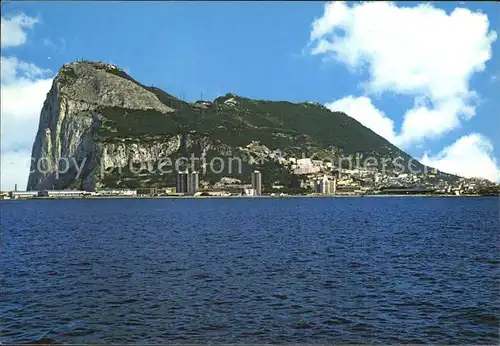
{"type": "Point", "coordinates": [367, 270]}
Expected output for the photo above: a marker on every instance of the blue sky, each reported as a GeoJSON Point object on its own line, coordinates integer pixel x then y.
{"type": "Point", "coordinates": [270, 50]}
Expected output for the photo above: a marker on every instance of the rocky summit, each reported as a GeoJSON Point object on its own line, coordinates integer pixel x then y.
{"type": "Point", "coordinates": [97, 119]}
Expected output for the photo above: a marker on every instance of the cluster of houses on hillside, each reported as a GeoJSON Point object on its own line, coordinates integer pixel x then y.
{"type": "Point", "coordinates": [313, 177]}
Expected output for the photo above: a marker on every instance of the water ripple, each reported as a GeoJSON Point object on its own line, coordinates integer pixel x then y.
{"type": "Point", "coordinates": [360, 270]}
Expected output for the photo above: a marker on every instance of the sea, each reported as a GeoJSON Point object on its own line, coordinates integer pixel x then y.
{"type": "Point", "coordinates": [251, 270]}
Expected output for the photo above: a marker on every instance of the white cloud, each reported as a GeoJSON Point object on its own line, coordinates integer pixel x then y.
{"type": "Point", "coordinates": [13, 30]}
{"type": "Point", "coordinates": [362, 109]}
{"type": "Point", "coordinates": [418, 51]}
{"type": "Point", "coordinates": [18, 71]}
{"type": "Point", "coordinates": [470, 156]}
{"type": "Point", "coordinates": [24, 87]}
{"type": "Point", "coordinates": [23, 90]}
{"type": "Point", "coordinates": [424, 121]}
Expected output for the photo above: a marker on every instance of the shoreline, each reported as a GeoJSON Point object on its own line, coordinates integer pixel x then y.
{"type": "Point", "coordinates": [249, 197]}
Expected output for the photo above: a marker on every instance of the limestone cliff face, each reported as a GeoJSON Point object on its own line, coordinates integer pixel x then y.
{"type": "Point", "coordinates": [84, 139]}
{"type": "Point", "coordinates": [68, 132]}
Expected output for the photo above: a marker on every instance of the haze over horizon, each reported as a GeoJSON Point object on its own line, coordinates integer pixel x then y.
{"type": "Point", "coordinates": [431, 90]}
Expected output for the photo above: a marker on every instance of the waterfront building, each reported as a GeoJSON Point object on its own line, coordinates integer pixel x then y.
{"type": "Point", "coordinates": [170, 190]}
{"type": "Point", "coordinates": [23, 194]}
{"type": "Point", "coordinates": [346, 190]}
{"type": "Point", "coordinates": [187, 182]}
{"type": "Point", "coordinates": [323, 186]}
{"type": "Point", "coordinates": [333, 186]}
{"type": "Point", "coordinates": [249, 192]}
{"type": "Point", "coordinates": [257, 182]}
{"type": "Point", "coordinates": [192, 183]}
{"type": "Point", "coordinates": [117, 192]}
{"type": "Point", "coordinates": [181, 186]}
{"type": "Point", "coordinates": [62, 193]}
{"type": "Point", "coordinates": [407, 191]}
{"type": "Point", "coordinates": [317, 186]}
{"type": "Point", "coordinates": [147, 191]}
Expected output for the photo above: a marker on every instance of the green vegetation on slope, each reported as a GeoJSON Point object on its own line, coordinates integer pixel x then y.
{"type": "Point", "coordinates": [278, 125]}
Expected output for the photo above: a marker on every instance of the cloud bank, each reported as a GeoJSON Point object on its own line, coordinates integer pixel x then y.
{"type": "Point", "coordinates": [420, 51]}
{"type": "Point", "coordinates": [470, 156]}
{"type": "Point", "coordinates": [14, 30]}
{"type": "Point", "coordinates": [24, 87]}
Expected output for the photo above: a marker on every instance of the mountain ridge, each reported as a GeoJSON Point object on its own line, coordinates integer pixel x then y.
{"type": "Point", "coordinates": [99, 116]}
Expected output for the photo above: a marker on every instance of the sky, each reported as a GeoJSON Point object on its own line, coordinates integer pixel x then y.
{"type": "Point", "coordinates": [424, 76]}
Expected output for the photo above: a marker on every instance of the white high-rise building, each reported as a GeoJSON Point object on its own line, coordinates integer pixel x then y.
{"type": "Point", "coordinates": [333, 186]}
{"type": "Point", "coordinates": [193, 182]}
{"type": "Point", "coordinates": [257, 182]}
{"type": "Point", "coordinates": [324, 186]}
{"type": "Point", "coordinates": [181, 186]}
